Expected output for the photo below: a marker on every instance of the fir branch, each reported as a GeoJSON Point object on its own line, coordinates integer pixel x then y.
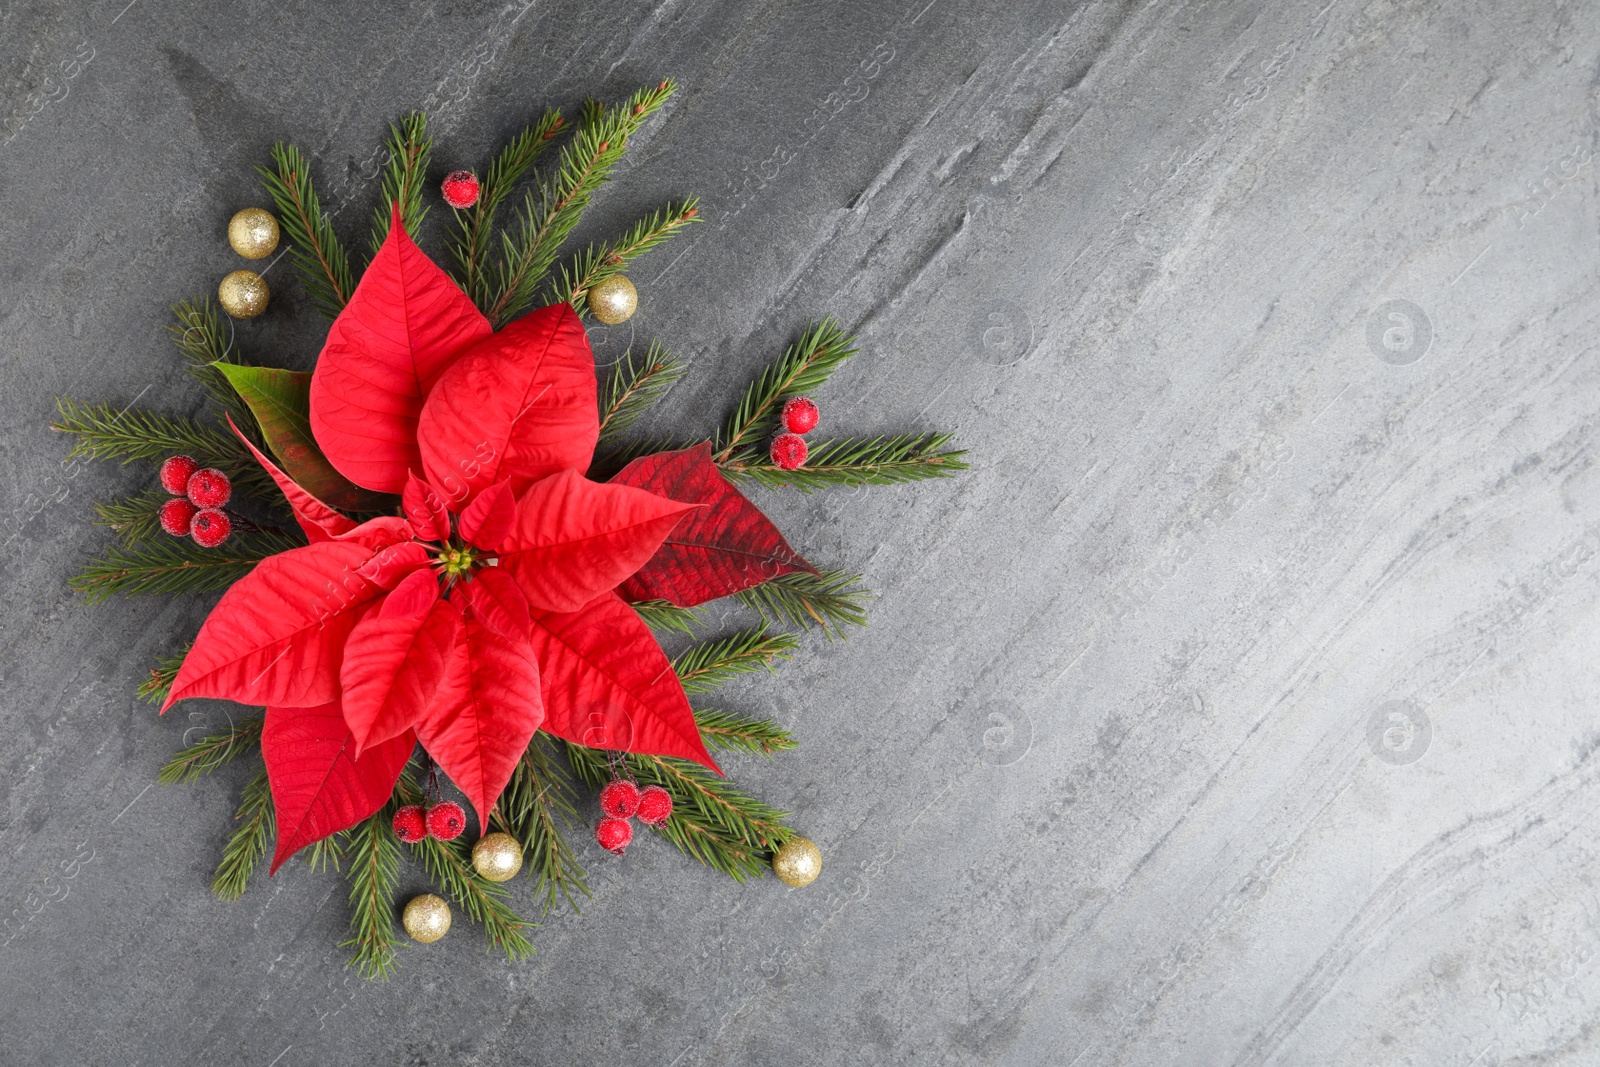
{"type": "Point", "coordinates": [661, 615]}
{"type": "Point", "coordinates": [176, 565]}
{"type": "Point", "coordinates": [633, 385]}
{"type": "Point", "coordinates": [707, 666]}
{"type": "Point", "coordinates": [475, 226]}
{"type": "Point", "coordinates": [828, 599]}
{"type": "Point", "coordinates": [374, 875]}
{"type": "Point", "coordinates": [599, 262]}
{"type": "Point", "coordinates": [761, 737]}
{"type": "Point", "coordinates": [549, 214]}
{"type": "Point", "coordinates": [156, 687]}
{"type": "Point", "coordinates": [257, 824]}
{"type": "Point", "coordinates": [319, 258]}
{"type": "Point", "coordinates": [711, 820]}
{"type": "Point", "coordinates": [201, 336]}
{"type": "Point", "coordinates": [802, 369]}
{"type": "Point", "coordinates": [409, 147]}
{"type": "Point", "coordinates": [134, 519]}
{"type": "Point", "coordinates": [212, 751]}
{"type": "Point", "coordinates": [856, 461]}
{"type": "Point", "coordinates": [127, 434]}
{"type": "Point", "coordinates": [534, 808]}
{"type": "Point", "coordinates": [326, 853]}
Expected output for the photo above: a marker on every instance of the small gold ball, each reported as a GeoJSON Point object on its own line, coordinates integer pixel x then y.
{"type": "Point", "coordinates": [253, 233]}
{"type": "Point", "coordinates": [427, 918]}
{"type": "Point", "coordinates": [614, 300]}
{"type": "Point", "coordinates": [243, 294]}
{"type": "Point", "coordinates": [798, 862]}
{"type": "Point", "coordinates": [497, 857]}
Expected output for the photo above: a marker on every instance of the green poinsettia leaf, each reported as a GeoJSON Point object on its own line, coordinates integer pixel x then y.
{"type": "Point", "coordinates": [281, 402]}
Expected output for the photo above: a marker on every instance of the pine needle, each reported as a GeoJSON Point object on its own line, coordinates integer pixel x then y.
{"type": "Point", "coordinates": [128, 434]}
{"type": "Point", "coordinates": [156, 687]}
{"type": "Point", "coordinates": [176, 565]}
{"type": "Point", "coordinates": [475, 226]}
{"type": "Point", "coordinates": [856, 461]}
{"type": "Point", "coordinates": [257, 825]}
{"type": "Point", "coordinates": [404, 175]}
{"type": "Point", "coordinates": [134, 519]}
{"type": "Point", "coordinates": [761, 737]}
{"type": "Point", "coordinates": [212, 751]}
{"type": "Point", "coordinates": [535, 808]}
{"type": "Point", "coordinates": [828, 600]}
{"type": "Point", "coordinates": [374, 875]}
{"type": "Point", "coordinates": [599, 262]}
{"type": "Point", "coordinates": [205, 341]}
{"type": "Point", "coordinates": [326, 853]}
{"type": "Point", "coordinates": [805, 366]}
{"type": "Point", "coordinates": [661, 615]}
{"type": "Point", "coordinates": [319, 258]}
{"type": "Point", "coordinates": [710, 665]}
{"type": "Point", "coordinates": [634, 385]}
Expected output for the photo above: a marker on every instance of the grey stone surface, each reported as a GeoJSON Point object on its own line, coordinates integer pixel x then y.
{"type": "Point", "coordinates": [1238, 708]}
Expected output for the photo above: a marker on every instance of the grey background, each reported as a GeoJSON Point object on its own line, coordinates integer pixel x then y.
{"type": "Point", "coordinates": [1238, 708]}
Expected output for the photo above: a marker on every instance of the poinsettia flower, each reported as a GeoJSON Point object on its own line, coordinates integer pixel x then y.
{"type": "Point", "coordinates": [483, 612]}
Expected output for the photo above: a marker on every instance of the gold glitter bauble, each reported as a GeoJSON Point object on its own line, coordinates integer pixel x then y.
{"type": "Point", "coordinates": [798, 862]}
{"type": "Point", "coordinates": [614, 300]}
{"type": "Point", "coordinates": [253, 233]}
{"type": "Point", "coordinates": [497, 857]}
{"type": "Point", "coordinates": [427, 918]}
{"type": "Point", "coordinates": [243, 294]}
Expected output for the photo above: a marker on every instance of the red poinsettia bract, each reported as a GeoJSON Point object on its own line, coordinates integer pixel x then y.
{"type": "Point", "coordinates": [483, 612]}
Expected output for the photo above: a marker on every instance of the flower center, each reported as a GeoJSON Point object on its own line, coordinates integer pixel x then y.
{"type": "Point", "coordinates": [456, 561]}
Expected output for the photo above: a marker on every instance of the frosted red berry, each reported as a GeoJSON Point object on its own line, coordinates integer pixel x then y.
{"type": "Point", "coordinates": [620, 799]}
{"type": "Point", "coordinates": [655, 806]}
{"type": "Point", "coordinates": [614, 835]}
{"type": "Point", "coordinates": [800, 415]}
{"type": "Point", "coordinates": [209, 488]}
{"type": "Point", "coordinates": [210, 527]}
{"type": "Point", "coordinates": [460, 189]}
{"type": "Point", "coordinates": [176, 516]}
{"type": "Point", "coordinates": [175, 471]}
{"type": "Point", "coordinates": [410, 824]}
{"type": "Point", "coordinates": [789, 451]}
{"type": "Point", "coordinates": [446, 821]}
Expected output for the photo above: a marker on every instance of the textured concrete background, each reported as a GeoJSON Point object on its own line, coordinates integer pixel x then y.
{"type": "Point", "coordinates": [1238, 708]}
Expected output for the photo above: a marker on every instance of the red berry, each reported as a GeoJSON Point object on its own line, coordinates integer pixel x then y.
{"type": "Point", "coordinates": [209, 488]}
{"type": "Point", "coordinates": [620, 799]}
{"type": "Point", "coordinates": [614, 834]}
{"type": "Point", "coordinates": [789, 451]}
{"type": "Point", "coordinates": [210, 527]}
{"type": "Point", "coordinates": [410, 825]}
{"type": "Point", "coordinates": [175, 473]}
{"type": "Point", "coordinates": [460, 189]}
{"type": "Point", "coordinates": [446, 821]}
{"type": "Point", "coordinates": [800, 415]}
{"type": "Point", "coordinates": [655, 806]}
{"type": "Point", "coordinates": [176, 516]}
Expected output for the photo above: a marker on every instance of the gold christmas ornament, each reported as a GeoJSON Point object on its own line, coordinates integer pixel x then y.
{"type": "Point", "coordinates": [798, 862]}
{"type": "Point", "coordinates": [497, 857]}
{"type": "Point", "coordinates": [426, 918]}
{"type": "Point", "coordinates": [253, 233]}
{"type": "Point", "coordinates": [243, 294]}
{"type": "Point", "coordinates": [614, 300]}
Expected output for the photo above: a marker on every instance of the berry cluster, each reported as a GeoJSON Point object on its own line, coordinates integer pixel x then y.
{"type": "Point", "coordinates": [446, 821]}
{"type": "Point", "coordinates": [198, 496]}
{"type": "Point", "coordinates": [800, 416]}
{"type": "Point", "coordinates": [621, 800]}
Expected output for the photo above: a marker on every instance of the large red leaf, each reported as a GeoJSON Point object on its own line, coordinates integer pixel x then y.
{"type": "Point", "coordinates": [395, 659]}
{"type": "Point", "coordinates": [519, 405]}
{"type": "Point", "coordinates": [573, 539]}
{"type": "Point", "coordinates": [319, 787]}
{"type": "Point", "coordinates": [487, 711]}
{"type": "Point", "coordinates": [319, 521]}
{"type": "Point", "coordinates": [723, 548]}
{"type": "Point", "coordinates": [403, 325]}
{"type": "Point", "coordinates": [277, 635]}
{"type": "Point", "coordinates": [607, 684]}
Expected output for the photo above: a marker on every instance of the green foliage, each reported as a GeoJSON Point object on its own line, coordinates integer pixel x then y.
{"type": "Point", "coordinates": [318, 257]}
{"type": "Point", "coordinates": [473, 240]}
{"type": "Point", "coordinates": [176, 565]}
{"type": "Point", "coordinates": [207, 344]}
{"type": "Point", "coordinates": [550, 213]}
{"type": "Point", "coordinates": [133, 518]}
{"type": "Point", "coordinates": [660, 615]}
{"type": "Point", "coordinates": [257, 825]}
{"type": "Point", "coordinates": [599, 262]}
{"type": "Point", "coordinates": [212, 751]}
{"type": "Point", "coordinates": [879, 461]}
{"type": "Point", "coordinates": [329, 852]}
{"type": "Point", "coordinates": [156, 687]}
{"type": "Point", "coordinates": [707, 666]}
{"type": "Point", "coordinates": [761, 737]}
{"type": "Point", "coordinates": [104, 432]}
{"type": "Point", "coordinates": [805, 366]}
{"type": "Point", "coordinates": [634, 385]}
{"type": "Point", "coordinates": [828, 600]}
{"type": "Point", "coordinates": [535, 808]}
{"type": "Point", "coordinates": [374, 875]}
{"type": "Point", "coordinates": [404, 175]}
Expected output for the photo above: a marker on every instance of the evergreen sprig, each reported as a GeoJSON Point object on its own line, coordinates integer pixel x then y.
{"type": "Point", "coordinates": [549, 213]}
{"type": "Point", "coordinates": [404, 175]}
{"type": "Point", "coordinates": [374, 875]}
{"type": "Point", "coordinates": [908, 457]}
{"type": "Point", "coordinates": [318, 256]}
{"type": "Point", "coordinates": [805, 366]}
{"type": "Point", "coordinates": [661, 615]}
{"type": "Point", "coordinates": [257, 825]}
{"type": "Point", "coordinates": [201, 336]}
{"type": "Point", "coordinates": [326, 853]}
{"type": "Point", "coordinates": [598, 262]}
{"type": "Point", "coordinates": [472, 241]}
{"type": "Point", "coordinates": [829, 600]}
{"type": "Point", "coordinates": [158, 684]}
{"type": "Point", "coordinates": [176, 565]}
{"type": "Point", "coordinates": [761, 737]}
{"type": "Point", "coordinates": [535, 808]}
{"type": "Point", "coordinates": [129, 434]}
{"type": "Point", "coordinates": [634, 385]}
{"type": "Point", "coordinates": [135, 518]}
{"type": "Point", "coordinates": [212, 751]}
{"type": "Point", "coordinates": [710, 665]}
